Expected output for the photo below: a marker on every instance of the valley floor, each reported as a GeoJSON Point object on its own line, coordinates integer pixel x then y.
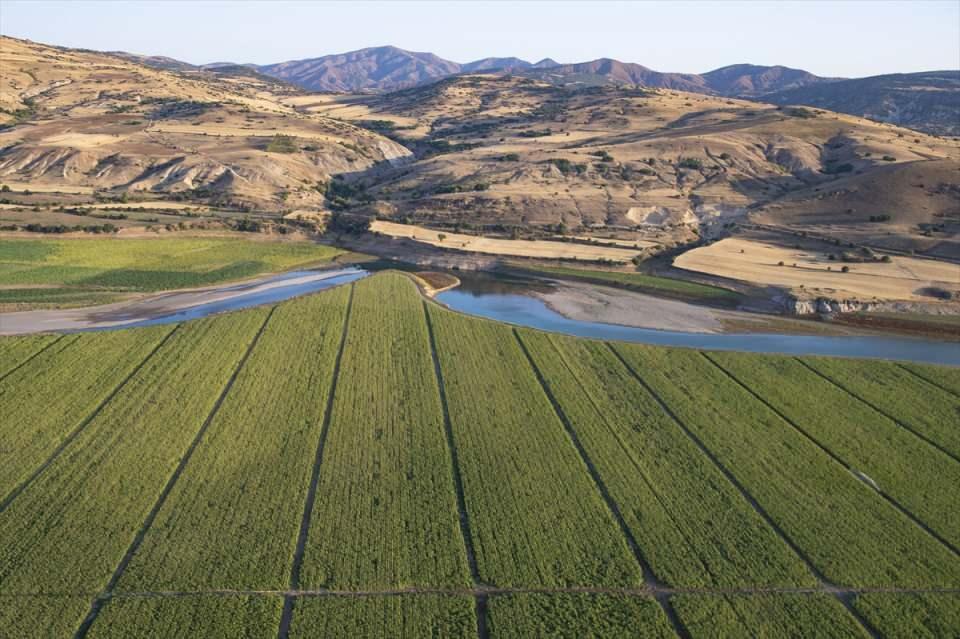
{"type": "Point", "coordinates": [363, 462]}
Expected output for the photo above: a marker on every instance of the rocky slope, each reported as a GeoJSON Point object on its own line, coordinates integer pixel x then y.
{"type": "Point", "coordinates": [78, 118]}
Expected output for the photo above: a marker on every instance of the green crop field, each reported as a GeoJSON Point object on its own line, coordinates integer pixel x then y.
{"type": "Point", "coordinates": [365, 463]}
{"type": "Point", "coordinates": [642, 282]}
{"type": "Point", "coordinates": [59, 273]}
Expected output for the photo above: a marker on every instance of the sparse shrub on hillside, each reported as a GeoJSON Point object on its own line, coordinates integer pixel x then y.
{"type": "Point", "coordinates": [282, 144]}
{"type": "Point", "coordinates": [567, 167]}
{"type": "Point", "coordinates": [880, 218]}
{"type": "Point", "coordinates": [889, 158]}
{"type": "Point", "coordinates": [690, 163]}
{"type": "Point", "coordinates": [508, 157]}
{"type": "Point", "coordinates": [603, 155]}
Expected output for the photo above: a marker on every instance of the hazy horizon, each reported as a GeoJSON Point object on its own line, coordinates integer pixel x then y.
{"type": "Point", "coordinates": [848, 39]}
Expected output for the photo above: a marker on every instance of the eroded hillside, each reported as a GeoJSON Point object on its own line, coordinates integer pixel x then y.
{"type": "Point", "coordinates": [508, 151]}
{"type": "Point", "coordinates": [81, 118]}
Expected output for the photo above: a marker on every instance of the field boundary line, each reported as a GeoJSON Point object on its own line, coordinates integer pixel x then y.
{"type": "Point", "coordinates": [631, 455]}
{"type": "Point", "coordinates": [31, 357]}
{"type": "Point", "coordinates": [750, 499]}
{"type": "Point", "coordinates": [465, 531]}
{"type": "Point", "coordinates": [881, 411]}
{"type": "Point", "coordinates": [496, 591]}
{"type": "Point", "coordinates": [826, 586]}
{"type": "Point", "coordinates": [647, 573]}
{"type": "Point", "coordinates": [925, 379]}
{"type": "Point", "coordinates": [97, 603]}
{"type": "Point", "coordinates": [286, 616]}
{"type": "Point", "coordinates": [835, 457]}
{"type": "Point", "coordinates": [22, 486]}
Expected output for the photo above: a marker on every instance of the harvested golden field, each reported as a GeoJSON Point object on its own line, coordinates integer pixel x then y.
{"type": "Point", "coordinates": [513, 248]}
{"type": "Point", "coordinates": [813, 273]}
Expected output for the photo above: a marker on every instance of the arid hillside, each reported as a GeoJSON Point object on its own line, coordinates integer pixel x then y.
{"type": "Point", "coordinates": [509, 151]}
{"type": "Point", "coordinates": [82, 119]}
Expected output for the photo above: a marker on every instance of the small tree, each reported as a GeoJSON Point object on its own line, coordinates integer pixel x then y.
{"type": "Point", "coordinates": [441, 236]}
{"type": "Point", "coordinates": [845, 269]}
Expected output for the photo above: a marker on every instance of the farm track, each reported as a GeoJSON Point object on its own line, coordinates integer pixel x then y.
{"type": "Point", "coordinates": [83, 424]}
{"type": "Point", "coordinates": [826, 586]}
{"type": "Point", "coordinates": [886, 414]}
{"type": "Point", "coordinates": [889, 498]}
{"type": "Point", "coordinates": [97, 603]}
{"type": "Point", "coordinates": [650, 579]}
{"type": "Point", "coordinates": [286, 616]}
{"type": "Point", "coordinates": [926, 379]}
{"type": "Point", "coordinates": [495, 591]}
{"type": "Point", "coordinates": [480, 599]}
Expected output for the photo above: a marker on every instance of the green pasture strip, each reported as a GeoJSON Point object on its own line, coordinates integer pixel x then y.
{"type": "Point", "coordinates": [372, 617]}
{"type": "Point", "coordinates": [576, 616]}
{"type": "Point", "coordinates": [14, 351]}
{"type": "Point", "coordinates": [207, 616]}
{"type": "Point", "coordinates": [535, 515]}
{"type": "Point", "coordinates": [232, 518]}
{"type": "Point", "coordinates": [848, 531]}
{"type": "Point", "coordinates": [920, 406]}
{"type": "Point", "coordinates": [386, 512]}
{"type": "Point", "coordinates": [69, 529]}
{"type": "Point", "coordinates": [920, 477]}
{"type": "Point", "coordinates": [668, 491]}
{"type": "Point", "coordinates": [54, 298]}
{"type": "Point", "coordinates": [772, 616]}
{"type": "Point", "coordinates": [41, 616]}
{"type": "Point", "coordinates": [943, 376]}
{"type": "Point", "coordinates": [640, 281]}
{"type": "Point", "coordinates": [148, 264]}
{"type": "Point", "coordinates": [912, 616]}
{"type": "Point", "coordinates": [57, 392]}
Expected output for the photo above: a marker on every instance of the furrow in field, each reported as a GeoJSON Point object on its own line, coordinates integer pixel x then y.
{"type": "Point", "coordinates": [69, 529]}
{"type": "Point", "coordinates": [17, 351]}
{"type": "Point", "coordinates": [296, 566]}
{"type": "Point", "coordinates": [848, 531]}
{"type": "Point", "coordinates": [916, 476]}
{"type": "Point", "coordinates": [388, 513]}
{"type": "Point", "coordinates": [943, 377]}
{"type": "Point", "coordinates": [480, 604]}
{"type": "Point", "coordinates": [927, 411]}
{"type": "Point", "coordinates": [232, 518]}
{"type": "Point", "coordinates": [49, 401]}
{"type": "Point", "coordinates": [536, 517]}
{"type": "Point", "coordinates": [692, 525]}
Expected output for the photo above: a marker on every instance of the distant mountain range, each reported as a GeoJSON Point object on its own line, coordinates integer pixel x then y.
{"type": "Point", "coordinates": [927, 101]}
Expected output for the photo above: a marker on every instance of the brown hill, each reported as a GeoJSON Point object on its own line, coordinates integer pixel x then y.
{"type": "Point", "coordinates": [101, 121]}
{"type": "Point", "coordinates": [500, 152]}
{"type": "Point", "coordinates": [376, 68]}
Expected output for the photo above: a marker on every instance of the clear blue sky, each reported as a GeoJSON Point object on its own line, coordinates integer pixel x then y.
{"type": "Point", "coordinates": [828, 38]}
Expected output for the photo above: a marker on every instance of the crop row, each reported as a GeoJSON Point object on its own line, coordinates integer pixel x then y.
{"type": "Point", "coordinates": [850, 533]}
{"type": "Point", "coordinates": [693, 527]}
{"type": "Point", "coordinates": [922, 478]}
{"type": "Point", "coordinates": [385, 514]}
{"type": "Point", "coordinates": [918, 405]}
{"type": "Point", "coordinates": [231, 519]}
{"type": "Point", "coordinates": [68, 531]}
{"type": "Point", "coordinates": [535, 516]}
{"type": "Point", "coordinates": [53, 394]}
{"type": "Point", "coordinates": [912, 616]}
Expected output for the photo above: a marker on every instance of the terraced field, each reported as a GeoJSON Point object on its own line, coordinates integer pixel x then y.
{"type": "Point", "coordinates": [364, 463]}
